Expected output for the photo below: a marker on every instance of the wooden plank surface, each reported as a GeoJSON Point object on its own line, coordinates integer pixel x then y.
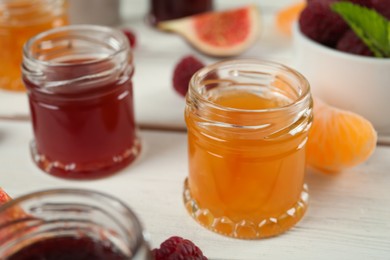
{"type": "Point", "coordinates": [348, 216]}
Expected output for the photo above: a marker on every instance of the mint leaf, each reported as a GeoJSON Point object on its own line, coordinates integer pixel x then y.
{"type": "Point", "coordinates": [371, 27]}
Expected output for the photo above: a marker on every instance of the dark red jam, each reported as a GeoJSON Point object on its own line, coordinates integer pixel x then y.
{"type": "Point", "coordinates": [69, 248]}
{"type": "Point", "coordinates": [83, 130]}
{"type": "Point", "coordinates": [162, 10]}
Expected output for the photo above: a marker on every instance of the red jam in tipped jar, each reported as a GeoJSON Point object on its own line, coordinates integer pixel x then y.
{"type": "Point", "coordinates": [161, 10]}
{"type": "Point", "coordinates": [70, 224]}
{"type": "Point", "coordinates": [82, 108]}
{"type": "Point", "coordinates": [69, 248]}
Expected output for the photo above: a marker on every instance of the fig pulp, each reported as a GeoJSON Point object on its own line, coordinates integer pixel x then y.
{"type": "Point", "coordinates": [221, 34]}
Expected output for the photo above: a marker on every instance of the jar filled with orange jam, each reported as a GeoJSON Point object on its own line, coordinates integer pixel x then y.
{"type": "Point", "coordinates": [19, 21]}
{"type": "Point", "coordinates": [248, 124]}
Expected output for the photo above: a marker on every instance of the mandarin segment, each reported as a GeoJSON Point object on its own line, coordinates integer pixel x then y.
{"type": "Point", "coordinates": [338, 139]}
{"type": "Point", "coordinates": [4, 197]}
{"type": "Point", "coordinates": [12, 214]}
{"type": "Point", "coordinates": [5, 216]}
{"type": "Point", "coordinates": [287, 16]}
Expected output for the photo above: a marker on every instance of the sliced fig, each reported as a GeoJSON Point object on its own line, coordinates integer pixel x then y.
{"type": "Point", "coordinates": [221, 34]}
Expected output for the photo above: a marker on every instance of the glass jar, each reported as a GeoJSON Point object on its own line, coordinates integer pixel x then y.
{"type": "Point", "coordinates": [248, 123]}
{"type": "Point", "coordinates": [99, 12]}
{"type": "Point", "coordinates": [70, 224]}
{"type": "Point", "coordinates": [79, 82]}
{"type": "Point", "coordinates": [162, 10]}
{"type": "Point", "coordinates": [20, 20]}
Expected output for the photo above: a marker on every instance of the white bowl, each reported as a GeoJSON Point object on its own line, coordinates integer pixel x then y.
{"type": "Point", "coordinates": [356, 83]}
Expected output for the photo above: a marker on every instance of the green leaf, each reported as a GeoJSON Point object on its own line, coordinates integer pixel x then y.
{"type": "Point", "coordinates": [371, 27]}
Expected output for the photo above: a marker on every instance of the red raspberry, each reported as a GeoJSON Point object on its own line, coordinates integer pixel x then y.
{"type": "Point", "coordinates": [183, 73]}
{"type": "Point", "coordinates": [318, 22]}
{"type": "Point", "coordinates": [367, 3]}
{"type": "Point", "coordinates": [351, 43]}
{"type": "Point", "coordinates": [131, 37]}
{"type": "Point", "coordinates": [177, 248]}
{"type": "Point", "coordinates": [321, 24]}
{"type": "Point", "coordinates": [382, 7]}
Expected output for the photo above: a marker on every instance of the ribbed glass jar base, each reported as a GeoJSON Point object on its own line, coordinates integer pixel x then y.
{"type": "Point", "coordinates": [87, 171]}
{"type": "Point", "coordinates": [245, 229]}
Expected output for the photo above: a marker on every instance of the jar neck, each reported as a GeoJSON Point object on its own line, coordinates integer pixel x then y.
{"type": "Point", "coordinates": [69, 213]}
{"type": "Point", "coordinates": [76, 58]}
{"type": "Point", "coordinates": [29, 12]}
{"type": "Point", "coordinates": [269, 81]}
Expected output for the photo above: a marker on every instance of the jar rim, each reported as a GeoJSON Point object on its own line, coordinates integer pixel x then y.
{"type": "Point", "coordinates": [199, 75]}
{"type": "Point", "coordinates": [123, 44]}
{"type": "Point", "coordinates": [113, 201]}
{"type": "Point", "coordinates": [20, 8]}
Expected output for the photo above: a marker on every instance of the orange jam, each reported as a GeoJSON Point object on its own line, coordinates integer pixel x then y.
{"type": "Point", "coordinates": [19, 21]}
{"type": "Point", "coordinates": [246, 142]}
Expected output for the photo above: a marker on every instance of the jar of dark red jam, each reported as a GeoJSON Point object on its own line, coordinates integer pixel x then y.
{"type": "Point", "coordinates": [70, 224]}
{"type": "Point", "coordinates": [162, 10]}
{"type": "Point", "coordinates": [79, 83]}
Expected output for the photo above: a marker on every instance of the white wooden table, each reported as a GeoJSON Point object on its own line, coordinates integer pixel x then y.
{"type": "Point", "coordinates": [349, 213]}
{"type": "Point", "coordinates": [348, 216]}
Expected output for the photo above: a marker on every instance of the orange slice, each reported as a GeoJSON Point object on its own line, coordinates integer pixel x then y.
{"type": "Point", "coordinates": [338, 139]}
{"type": "Point", "coordinates": [287, 16]}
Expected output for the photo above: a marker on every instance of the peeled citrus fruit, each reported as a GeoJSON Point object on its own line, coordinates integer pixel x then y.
{"type": "Point", "coordinates": [338, 139]}
{"type": "Point", "coordinates": [4, 197]}
{"type": "Point", "coordinates": [9, 215]}
{"type": "Point", "coordinates": [287, 16]}
{"type": "Point", "coordinates": [5, 216]}
{"type": "Point", "coordinates": [225, 33]}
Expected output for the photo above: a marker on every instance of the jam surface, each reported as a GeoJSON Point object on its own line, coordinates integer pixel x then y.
{"type": "Point", "coordinates": [69, 248]}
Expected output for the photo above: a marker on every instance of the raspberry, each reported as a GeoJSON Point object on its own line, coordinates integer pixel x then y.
{"type": "Point", "coordinates": [177, 248]}
{"type": "Point", "coordinates": [183, 73]}
{"type": "Point", "coordinates": [318, 22]}
{"type": "Point", "coordinates": [367, 3]}
{"type": "Point", "coordinates": [351, 43]}
{"type": "Point", "coordinates": [382, 7]}
{"type": "Point", "coordinates": [130, 36]}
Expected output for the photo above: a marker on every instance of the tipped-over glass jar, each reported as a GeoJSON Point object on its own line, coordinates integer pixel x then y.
{"type": "Point", "coordinates": [79, 82]}
{"type": "Point", "coordinates": [248, 123]}
{"type": "Point", "coordinates": [20, 20]}
{"type": "Point", "coordinates": [70, 224]}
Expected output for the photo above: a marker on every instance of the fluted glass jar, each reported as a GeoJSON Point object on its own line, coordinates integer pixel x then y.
{"type": "Point", "coordinates": [248, 123]}
{"type": "Point", "coordinates": [79, 82]}
{"type": "Point", "coordinates": [19, 21]}
{"type": "Point", "coordinates": [70, 224]}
